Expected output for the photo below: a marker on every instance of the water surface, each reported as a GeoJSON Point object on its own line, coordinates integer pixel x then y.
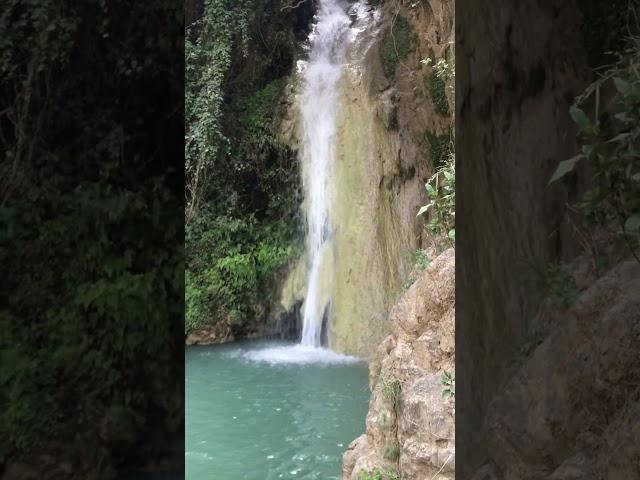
{"type": "Point", "coordinates": [264, 411]}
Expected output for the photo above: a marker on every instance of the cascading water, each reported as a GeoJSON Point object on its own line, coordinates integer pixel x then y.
{"type": "Point", "coordinates": [329, 40]}
{"type": "Point", "coordinates": [338, 27]}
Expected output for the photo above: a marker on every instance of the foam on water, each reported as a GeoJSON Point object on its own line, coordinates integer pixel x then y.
{"type": "Point", "coordinates": [294, 354]}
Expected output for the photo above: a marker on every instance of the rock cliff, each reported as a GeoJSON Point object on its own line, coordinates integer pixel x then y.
{"type": "Point", "coordinates": [570, 411]}
{"type": "Point", "coordinates": [411, 424]}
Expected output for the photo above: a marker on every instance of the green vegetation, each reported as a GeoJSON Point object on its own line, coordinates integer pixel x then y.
{"type": "Point", "coordinates": [421, 260]}
{"type": "Point", "coordinates": [232, 264]}
{"type": "Point", "coordinates": [437, 88]}
{"type": "Point", "coordinates": [440, 149]}
{"type": "Point", "coordinates": [384, 420]}
{"type": "Point", "coordinates": [441, 190]}
{"type": "Point", "coordinates": [610, 137]}
{"type": "Point", "coordinates": [242, 185]}
{"type": "Point", "coordinates": [90, 225]}
{"type": "Point", "coordinates": [449, 382]}
{"type": "Point", "coordinates": [392, 450]}
{"type": "Point", "coordinates": [441, 79]}
{"type": "Point", "coordinates": [379, 474]}
{"type": "Point", "coordinates": [396, 45]}
{"type": "Point", "coordinates": [208, 51]}
{"type": "Point", "coordinates": [391, 390]}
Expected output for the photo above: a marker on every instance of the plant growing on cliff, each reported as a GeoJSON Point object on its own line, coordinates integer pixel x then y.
{"type": "Point", "coordinates": [379, 474]}
{"type": "Point", "coordinates": [449, 381]}
{"type": "Point", "coordinates": [443, 72]}
{"type": "Point", "coordinates": [440, 148]}
{"type": "Point", "coordinates": [208, 47]}
{"type": "Point", "coordinates": [396, 45]}
{"type": "Point", "coordinates": [391, 390]}
{"type": "Point", "coordinates": [392, 450]}
{"type": "Point", "coordinates": [441, 191]}
{"type": "Point", "coordinates": [610, 137]}
{"type": "Point", "coordinates": [421, 260]}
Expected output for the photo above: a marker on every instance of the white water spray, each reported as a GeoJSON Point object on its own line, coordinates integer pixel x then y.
{"type": "Point", "coordinates": [329, 39]}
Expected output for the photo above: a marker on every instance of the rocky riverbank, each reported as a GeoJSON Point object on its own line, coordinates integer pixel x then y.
{"type": "Point", "coordinates": [411, 423]}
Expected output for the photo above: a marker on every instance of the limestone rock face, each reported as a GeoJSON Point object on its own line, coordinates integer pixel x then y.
{"type": "Point", "coordinates": [571, 410]}
{"type": "Point", "coordinates": [382, 162]}
{"type": "Point", "coordinates": [410, 425]}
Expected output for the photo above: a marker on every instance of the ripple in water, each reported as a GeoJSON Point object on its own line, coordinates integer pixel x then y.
{"type": "Point", "coordinates": [265, 411]}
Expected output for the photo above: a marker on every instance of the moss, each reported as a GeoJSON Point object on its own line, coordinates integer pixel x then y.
{"type": "Point", "coordinates": [391, 389]}
{"type": "Point", "coordinates": [392, 450]}
{"type": "Point", "coordinates": [439, 148]}
{"type": "Point", "coordinates": [396, 45]}
{"type": "Point", "coordinates": [437, 88]}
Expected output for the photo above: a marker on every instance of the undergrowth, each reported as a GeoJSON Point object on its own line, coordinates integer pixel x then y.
{"type": "Point", "coordinates": [610, 150]}
{"type": "Point", "coordinates": [230, 266]}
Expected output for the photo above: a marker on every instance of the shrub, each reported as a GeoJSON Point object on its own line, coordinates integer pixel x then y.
{"type": "Point", "coordinates": [441, 191]}
{"type": "Point", "coordinates": [440, 148]}
{"type": "Point", "coordinates": [610, 145]}
{"type": "Point", "coordinates": [230, 266]}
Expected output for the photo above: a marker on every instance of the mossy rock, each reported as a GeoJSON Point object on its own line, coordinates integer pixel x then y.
{"type": "Point", "coordinates": [437, 88]}
{"type": "Point", "coordinates": [439, 148]}
{"type": "Point", "coordinates": [396, 45]}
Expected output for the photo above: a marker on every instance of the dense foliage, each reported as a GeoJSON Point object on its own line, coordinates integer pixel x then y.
{"type": "Point", "coordinates": [90, 225]}
{"type": "Point", "coordinates": [232, 263]}
{"type": "Point", "coordinates": [441, 191]}
{"type": "Point", "coordinates": [242, 184]}
{"type": "Point", "coordinates": [441, 187]}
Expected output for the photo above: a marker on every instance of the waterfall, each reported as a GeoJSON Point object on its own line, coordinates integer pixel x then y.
{"type": "Point", "coordinates": [328, 42]}
{"type": "Point", "coordinates": [338, 27]}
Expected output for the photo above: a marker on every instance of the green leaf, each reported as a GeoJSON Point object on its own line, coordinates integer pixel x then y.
{"type": "Point", "coordinates": [622, 86]}
{"type": "Point", "coordinates": [623, 117]}
{"type": "Point", "coordinates": [619, 137]}
{"type": "Point", "coordinates": [452, 234]}
{"type": "Point", "coordinates": [579, 117]}
{"type": "Point", "coordinates": [423, 210]}
{"type": "Point", "coordinates": [632, 225]}
{"type": "Point", "coordinates": [565, 167]}
{"type": "Point", "coordinates": [587, 150]}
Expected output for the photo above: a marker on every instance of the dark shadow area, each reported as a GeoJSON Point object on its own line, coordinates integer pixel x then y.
{"type": "Point", "coordinates": [547, 286]}
{"type": "Point", "coordinates": [91, 239]}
